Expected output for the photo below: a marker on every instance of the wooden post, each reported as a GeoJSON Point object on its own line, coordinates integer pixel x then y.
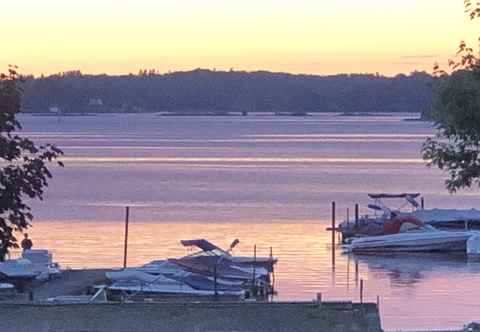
{"type": "Point", "coordinates": [348, 218]}
{"type": "Point", "coordinates": [254, 263]}
{"type": "Point", "coordinates": [215, 281]}
{"type": "Point", "coordinates": [356, 215]}
{"type": "Point", "coordinates": [273, 270]}
{"type": "Point", "coordinates": [333, 223]}
{"type": "Point", "coordinates": [356, 273]}
{"type": "Point", "coordinates": [361, 290]}
{"type": "Point", "coordinates": [422, 203]}
{"type": "Point", "coordinates": [125, 246]}
{"type": "Point", "coordinates": [333, 236]}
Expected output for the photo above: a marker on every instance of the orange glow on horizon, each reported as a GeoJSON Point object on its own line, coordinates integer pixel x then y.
{"type": "Point", "coordinates": [121, 37]}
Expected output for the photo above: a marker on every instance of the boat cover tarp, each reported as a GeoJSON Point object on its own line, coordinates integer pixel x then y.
{"type": "Point", "coordinates": [200, 243]}
{"type": "Point", "coordinates": [446, 215]}
{"type": "Point", "coordinates": [206, 265]}
{"type": "Point", "coordinates": [403, 195]}
{"type": "Point", "coordinates": [203, 283]}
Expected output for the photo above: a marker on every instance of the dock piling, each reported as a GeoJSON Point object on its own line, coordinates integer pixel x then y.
{"type": "Point", "coordinates": [125, 247]}
{"type": "Point", "coordinates": [254, 263]}
{"type": "Point", "coordinates": [333, 236]}
{"type": "Point", "coordinates": [361, 291]}
{"type": "Point", "coordinates": [273, 271]}
{"type": "Point", "coordinates": [356, 216]}
{"type": "Point", "coordinates": [333, 223]}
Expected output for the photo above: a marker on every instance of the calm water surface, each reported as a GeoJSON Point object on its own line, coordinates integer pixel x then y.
{"type": "Point", "coordinates": [268, 181]}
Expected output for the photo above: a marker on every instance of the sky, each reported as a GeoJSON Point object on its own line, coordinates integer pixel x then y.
{"type": "Point", "coordinates": [298, 36]}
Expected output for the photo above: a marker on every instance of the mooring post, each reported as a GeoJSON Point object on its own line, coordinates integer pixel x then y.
{"type": "Point", "coordinates": [273, 270]}
{"type": "Point", "coordinates": [348, 218]}
{"type": "Point", "coordinates": [356, 273]}
{"type": "Point", "coordinates": [215, 287]}
{"type": "Point", "coordinates": [361, 290]}
{"type": "Point", "coordinates": [333, 236]}
{"type": "Point", "coordinates": [333, 223]}
{"type": "Point", "coordinates": [254, 263]}
{"type": "Point", "coordinates": [356, 215]}
{"type": "Point", "coordinates": [125, 246]}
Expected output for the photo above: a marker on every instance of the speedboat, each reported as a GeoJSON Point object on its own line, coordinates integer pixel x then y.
{"type": "Point", "coordinates": [210, 272]}
{"type": "Point", "coordinates": [186, 284]}
{"type": "Point", "coordinates": [372, 224]}
{"type": "Point", "coordinates": [412, 235]}
{"type": "Point", "coordinates": [209, 249]}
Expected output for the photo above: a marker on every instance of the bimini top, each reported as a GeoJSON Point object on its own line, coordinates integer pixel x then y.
{"type": "Point", "coordinates": [383, 195]}
{"type": "Point", "coordinates": [200, 243]}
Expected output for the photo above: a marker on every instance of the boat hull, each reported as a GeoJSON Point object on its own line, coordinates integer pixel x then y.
{"type": "Point", "coordinates": [412, 242]}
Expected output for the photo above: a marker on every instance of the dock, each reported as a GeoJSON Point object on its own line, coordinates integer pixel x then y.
{"type": "Point", "coordinates": [36, 313]}
{"type": "Point", "coordinates": [190, 316]}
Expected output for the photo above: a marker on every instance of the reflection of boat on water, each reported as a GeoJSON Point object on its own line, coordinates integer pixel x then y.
{"type": "Point", "coordinates": [210, 272]}
{"type": "Point", "coordinates": [410, 268]}
{"type": "Point", "coordinates": [409, 234]}
{"type": "Point", "coordinates": [440, 218]}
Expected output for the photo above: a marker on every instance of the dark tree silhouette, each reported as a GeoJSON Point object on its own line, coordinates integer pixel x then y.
{"type": "Point", "coordinates": [456, 111]}
{"type": "Point", "coordinates": [23, 169]}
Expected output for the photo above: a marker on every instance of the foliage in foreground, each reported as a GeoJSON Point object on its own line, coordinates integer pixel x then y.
{"type": "Point", "coordinates": [456, 112]}
{"type": "Point", "coordinates": [23, 165]}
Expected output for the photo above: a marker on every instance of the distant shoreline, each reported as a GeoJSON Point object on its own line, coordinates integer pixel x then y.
{"type": "Point", "coordinates": [414, 116]}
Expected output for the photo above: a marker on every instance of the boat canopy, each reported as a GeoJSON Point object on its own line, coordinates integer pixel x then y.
{"type": "Point", "coordinates": [383, 195]}
{"type": "Point", "coordinates": [375, 207]}
{"type": "Point", "coordinates": [200, 243]}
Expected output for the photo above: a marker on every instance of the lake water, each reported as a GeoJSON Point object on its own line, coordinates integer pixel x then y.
{"type": "Point", "coordinates": [266, 180]}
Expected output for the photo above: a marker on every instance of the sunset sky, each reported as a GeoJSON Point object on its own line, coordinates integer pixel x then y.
{"type": "Point", "coordinates": [301, 36]}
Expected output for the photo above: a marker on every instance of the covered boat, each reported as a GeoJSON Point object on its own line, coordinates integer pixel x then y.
{"type": "Point", "coordinates": [209, 249]}
{"type": "Point", "coordinates": [409, 234]}
{"type": "Point", "coordinates": [210, 272]}
{"type": "Point", "coordinates": [34, 264]}
{"type": "Point", "coordinates": [372, 224]}
{"type": "Point", "coordinates": [189, 284]}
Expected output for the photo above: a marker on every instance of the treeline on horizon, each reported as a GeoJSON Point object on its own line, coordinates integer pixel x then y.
{"type": "Point", "coordinates": [201, 91]}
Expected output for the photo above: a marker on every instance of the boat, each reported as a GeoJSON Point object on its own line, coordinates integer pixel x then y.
{"type": "Point", "coordinates": [33, 265]}
{"type": "Point", "coordinates": [372, 224]}
{"type": "Point", "coordinates": [209, 249]}
{"type": "Point", "coordinates": [408, 234]}
{"type": "Point", "coordinates": [209, 272]}
{"type": "Point", "coordinates": [188, 284]}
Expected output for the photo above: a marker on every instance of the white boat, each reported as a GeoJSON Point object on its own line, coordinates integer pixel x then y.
{"type": "Point", "coordinates": [134, 281]}
{"type": "Point", "coordinates": [209, 249]}
{"type": "Point", "coordinates": [424, 239]}
{"type": "Point", "coordinates": [34, 264]}
{"type": "Point", "coordinates": [372, 224]}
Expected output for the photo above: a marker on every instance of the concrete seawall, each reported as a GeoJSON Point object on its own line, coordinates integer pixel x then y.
{"type": "Point", "coordinates": [195, 317]}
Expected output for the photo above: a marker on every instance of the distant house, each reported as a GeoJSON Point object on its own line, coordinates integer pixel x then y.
{"type": "Point", "coordinates": [54, 109]}
{"type": "Point", "coordinates": [95, 102]}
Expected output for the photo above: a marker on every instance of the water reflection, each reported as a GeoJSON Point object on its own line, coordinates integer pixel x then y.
{"type": "Point", "coordinates": [408, 269]}
{"type": "Point", "coordinates": [265, 180]}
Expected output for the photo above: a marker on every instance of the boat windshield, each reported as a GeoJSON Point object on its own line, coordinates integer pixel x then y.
{"type": "Point", "coordinates": [214, 252]}
{"type": "Point", "coordinates": [415, 228]}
